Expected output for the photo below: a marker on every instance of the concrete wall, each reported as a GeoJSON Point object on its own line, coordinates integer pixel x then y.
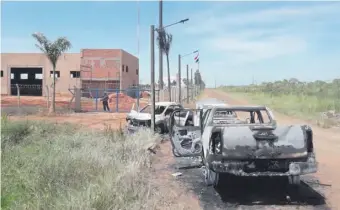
{"type": "Point", "coordinates": [9, 60]}
{"type": "Point", "coordinates": [131, 77]}
{"type": "Point", "coordinates": [66, 63]}
{"type": "Point", "coordinates": [106, 64]}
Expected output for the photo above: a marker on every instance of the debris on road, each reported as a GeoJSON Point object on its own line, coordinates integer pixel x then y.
{"type": "Point", "coordinates": [177, 174]}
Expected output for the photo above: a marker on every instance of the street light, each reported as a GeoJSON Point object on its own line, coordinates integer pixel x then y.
{"type": "Point", "coordinates": [181, 21]}
{"type": "Point", "coordinates": [152, 55]}
{"type": "Point", "coordinates": [179, 74]}
{"type": "Point", "coordinates": [160, 30]}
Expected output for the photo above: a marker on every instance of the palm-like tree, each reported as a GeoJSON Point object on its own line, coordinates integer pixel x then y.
{"type": "Point", "coordinates": [165, 41]}
{"type": "Point", "coordinates": [53, 51]}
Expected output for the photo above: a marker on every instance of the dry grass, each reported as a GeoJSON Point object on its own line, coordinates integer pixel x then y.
{"type": "Point", "coordinates": [51, 166]}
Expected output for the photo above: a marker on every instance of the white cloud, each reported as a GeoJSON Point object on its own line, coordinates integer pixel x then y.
{"type": "Point", "coordinates": [252, 36]}
{"type": "Point", "coordinates": [283, 14]}
{"type": "Point", "coordinates": [240, 50]}
{"type": "Point", "coordinates": [214, 22]}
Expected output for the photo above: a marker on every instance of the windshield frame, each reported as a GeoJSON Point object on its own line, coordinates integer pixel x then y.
{"type": "Point", "coordinates": [156, 107]}
{"type": "Point", "coordinates": [210, 121]}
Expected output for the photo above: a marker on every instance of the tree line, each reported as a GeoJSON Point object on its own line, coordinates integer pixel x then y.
{"type": "Point", "coordinates": [321, 90]}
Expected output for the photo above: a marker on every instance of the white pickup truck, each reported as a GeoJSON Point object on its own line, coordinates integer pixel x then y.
{"type": "Point", "coordinates": [142, 118]}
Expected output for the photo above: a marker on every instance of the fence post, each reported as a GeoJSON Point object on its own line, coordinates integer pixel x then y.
{"type": "Point", "coordinates": [18, 94]}
{"type": "Point", "coordinates": [117, 100]}
{"type": "Point", "coordinates": [48, 96]}
{"type": "Point", "coordinates": [96, 99]}
{"type": "Point", "coordinates": [138, 96]}
{"type": "Point", "coordinates": [175, 94]}
{"type": "Point", "coordinates": [191, 96]}
{"type": "Point", "coordinates": [77, 95]}
{"type": "Point", "coordinates": [194, 91]}
{"type": "Point", "coordinates": [163, 96]}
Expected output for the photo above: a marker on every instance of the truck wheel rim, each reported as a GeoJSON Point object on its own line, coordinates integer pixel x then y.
{"type": "Point", "coordinates": [158, 129]}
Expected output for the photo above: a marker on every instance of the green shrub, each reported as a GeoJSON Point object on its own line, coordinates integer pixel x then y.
{"type": "Point", "coordinates": [51, 166]}
{"type": "Point", "coordinates": [293, 97]}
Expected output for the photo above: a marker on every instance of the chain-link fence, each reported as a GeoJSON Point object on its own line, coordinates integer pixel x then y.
{"type": "Point", "coordinates": [90, 99]}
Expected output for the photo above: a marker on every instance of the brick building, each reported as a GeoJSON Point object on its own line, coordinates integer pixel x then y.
{"type": "Point", "coordinates": [91, 68]}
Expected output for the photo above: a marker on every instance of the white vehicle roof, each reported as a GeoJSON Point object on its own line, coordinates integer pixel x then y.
{"type": "Point", "coordinates": [210, 102]}
{"type": "Point", "coordinates": [166, 103]}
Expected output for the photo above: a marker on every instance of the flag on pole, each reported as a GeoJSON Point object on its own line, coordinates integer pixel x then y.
{"type": "Point", "coordinates": [196, 58]}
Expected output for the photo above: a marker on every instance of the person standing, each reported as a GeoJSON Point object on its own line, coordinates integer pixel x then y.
{"type": "Point", "coordinates": [105, 101]}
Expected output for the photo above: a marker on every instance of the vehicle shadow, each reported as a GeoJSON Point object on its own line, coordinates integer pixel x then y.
{"type": "Point", "coordinates": [266, 191]}
{"type": "Point", "coordinates": [248, 191]}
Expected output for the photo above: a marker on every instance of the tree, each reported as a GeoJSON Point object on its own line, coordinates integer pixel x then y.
{"type": "Point", "coordinates": [165, 42]}
{"type": "Point", "coordinates": [53, 51]}
{"type": "Point", "coordinates": [197, 78]}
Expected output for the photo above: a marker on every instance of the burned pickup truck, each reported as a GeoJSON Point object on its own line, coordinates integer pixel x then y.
{"type": "Point", "coordinates": [142, 118]}
{"type": "Point", "coordinates": [244, 141]}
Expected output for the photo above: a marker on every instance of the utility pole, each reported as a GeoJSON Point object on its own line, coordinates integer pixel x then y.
{"type": "Point", "coordinates": [187, 83]}
{"type": "Point", "coordinates": [152, 66]}
{"type": "Point", "coordinates": [160, 49]}
{"type": "Point", "coordinates": [192, 87]}
{"type": "Point", "coordinates": [138, 42]}
{"type": "Point", "coordinates": [201, 77]}
{"type": "Point", "coordinates": [179, 79]}
{"type": "Point", "coordinates": [152, 50]}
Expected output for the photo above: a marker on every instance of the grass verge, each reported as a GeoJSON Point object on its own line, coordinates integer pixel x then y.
{"type": "Point", "coordinates": [61, 166]}
{"type": "Point", "coordinates": [303, 107]}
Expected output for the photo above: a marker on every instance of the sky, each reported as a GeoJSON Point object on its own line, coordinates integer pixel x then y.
{"type": "Point", "coordinates": [238, 42]}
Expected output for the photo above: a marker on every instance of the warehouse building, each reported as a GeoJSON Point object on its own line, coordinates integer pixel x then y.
{"type": "Point", "coordinates": [91, 68]}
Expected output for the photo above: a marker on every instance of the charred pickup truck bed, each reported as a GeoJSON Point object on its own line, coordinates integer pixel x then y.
{"type": "Point", "coordinates": [255, 146]}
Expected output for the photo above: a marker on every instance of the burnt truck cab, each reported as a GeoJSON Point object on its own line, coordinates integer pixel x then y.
{"type": "Point", "coordinates": [205, 104]}
{"type": "Point", "coordinates": [244, 141]}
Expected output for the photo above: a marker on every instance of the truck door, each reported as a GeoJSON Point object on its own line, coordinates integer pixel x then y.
{"type": "Point", "coordinates": [185, 135]}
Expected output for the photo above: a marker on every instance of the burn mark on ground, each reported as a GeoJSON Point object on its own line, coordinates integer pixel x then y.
{"type": "Point", "coordinates": [250, 192]}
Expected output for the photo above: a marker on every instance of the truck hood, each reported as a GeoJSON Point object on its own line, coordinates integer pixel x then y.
{"type": "Point", "coordinates": [141, 116]}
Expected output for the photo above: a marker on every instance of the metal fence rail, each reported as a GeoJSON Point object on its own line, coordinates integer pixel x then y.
{"type": "Point", "coordinates": [89, 99]}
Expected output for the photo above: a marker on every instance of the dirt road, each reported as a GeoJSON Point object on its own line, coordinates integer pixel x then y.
{"type": "Point", "coordinates": [239, 193]}
{"type": "Point", "coordinates": [254, 193]}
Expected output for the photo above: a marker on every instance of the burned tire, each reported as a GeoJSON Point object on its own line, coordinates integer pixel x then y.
{"type": "Point", "coordinates": [211, 178]}
{"type": "Point", "coordinates": [159, 128]}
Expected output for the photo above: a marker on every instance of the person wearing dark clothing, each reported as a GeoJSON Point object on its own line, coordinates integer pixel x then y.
{"type": "Point", "coordinates": [105, 101]}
